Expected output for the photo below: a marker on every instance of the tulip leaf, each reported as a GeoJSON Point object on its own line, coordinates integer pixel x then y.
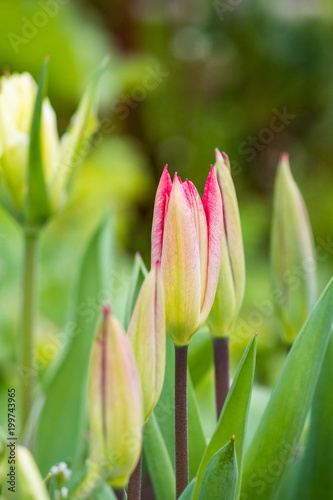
{"type": "Point", "coordinates": [315, 478]}
{"type": "Point", "coordinates": [164, 413]}
{"type": "Point", "coordinates": [233, 418]}
{"type": "Point", "coordinates": [189, 490]}
{"type": "Point", "coordinates": [138, 275]}
{"type": "Point", "coordinates": [277, 436]}
{"type": "Point", "coordinates": [64, 414]}
{"type": "Point", "coordinates": [37, 201]}
{"type": "Point", "coordinates": [219, 481]}
{"type": "Point", "coordinates": [158, 461]}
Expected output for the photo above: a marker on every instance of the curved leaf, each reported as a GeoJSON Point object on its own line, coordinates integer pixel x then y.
{"type": "Point", "coordinates": [158, 461]}
{"type": "Point", "coordinates": [315, 479]}
{"type": "Point", "coordinates": [37, 201]}
{"type": "Point", "coordinates": [278, 433]}
{"type": "Point", "coordinates": [189, 490]}
{"type": "Point", "coordinates": [234, 414]}
{"type": "Point", "coordinates": [219, 481]}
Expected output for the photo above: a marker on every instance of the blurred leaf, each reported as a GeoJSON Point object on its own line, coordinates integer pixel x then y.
{"type": "Point", "coordinates": [200, 355]}
{"type": "Point", "coordinates": [219, 481]}
{"type": "Point", "coordinates": [165, 415]}
{"type": "Point", "coordinates": [233, 418]}
{"type": "Point", "coordinates": [63, 416]}
{"type": "Point", "coordinates": [37, 199]}
{"type": "Point", "coordinates": [279, 431]}
{"type": "Point", "coordinates": [138, 275]}
{"type": "Point", "coordinates": [158, 461]}
{"type": "Point", "coordinates": [189, 490]}
{"type": "Point", "coordinates": [315, 475]}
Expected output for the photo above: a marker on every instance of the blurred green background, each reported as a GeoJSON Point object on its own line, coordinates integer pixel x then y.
{"type": "Point", "coordinates": [184, 78]}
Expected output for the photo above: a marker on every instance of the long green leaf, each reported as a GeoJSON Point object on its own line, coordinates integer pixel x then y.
{"type": "Point", "coordinates": [37, 201]}
{"type": "Point", "coordinates": [138, 275]}
{"type": "Point", "coordinates": [165, 415]}
{"type": "Point", "coordinates": [315, 479]}
{"type": "Point", "coordinates": [278, 433]}
{"type": "Point", "coordinates": [63, 417]}
{"type": "Point", "coordinates": [234, 414]}
{"type": "Point", "coordinates": [219, 481]}
{"type": "Point", "coordinates": [158, 461]}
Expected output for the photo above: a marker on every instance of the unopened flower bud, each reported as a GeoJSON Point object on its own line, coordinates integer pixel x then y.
{"type": "Point", "coordinates": [293, 262]}
{"type": "Point", "coordinates": [29, 480]}
{"type": "Point", "coordinates": [231, 285]}
{"type": "Point", "coordinates": [115, 402]}
{"type": "Point", "coordinates": [147, 334]}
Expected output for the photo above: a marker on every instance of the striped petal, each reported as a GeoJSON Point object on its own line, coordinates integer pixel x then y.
{"type": "Point", "coordinates": [200, 221]}
{"type": "Point", "coordinates": [161, 199]}
{"type": "Point", "coordinates": [181, 267]}
{"type": "Point", "coordinates": [212, 204]}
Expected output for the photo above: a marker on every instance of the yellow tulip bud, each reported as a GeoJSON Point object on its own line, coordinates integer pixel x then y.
{"type": "Point", "coordinates": [30, 483]}
{"type": "Point", "coordinates": [293, 261]}
{"type": "Point", "coordinates": [115, 403]}
{"type": "Point", "coordinates": [35, 166]}
{"type": "Point", "coordinates": [147, 334]}
{"type": "Point", "coordinates": [17, 100]}
{"type": "Point", "coordinates": [231, 285]}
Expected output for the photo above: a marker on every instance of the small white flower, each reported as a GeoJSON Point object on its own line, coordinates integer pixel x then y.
{"type": "Point", "coordinates": [62, 466]}
{"type": "Point", "coordinates": [64, 492]}
{"type": "Point", "coordinates": [54, 470]}
{"type": "Point", "coordinates": [67, 474]}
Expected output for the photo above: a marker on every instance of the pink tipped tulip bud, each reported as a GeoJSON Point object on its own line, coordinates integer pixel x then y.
{"type": "Point", "coordinates": [147, 335]}
{"type": "Point", "coordinates": [115, 402]}
{"type": "Point", "coordinates": [293, 262]}
{"type": "Point", "coordinates": [231, 285]}
{"type": "Point", "coordinates": [187, 238]}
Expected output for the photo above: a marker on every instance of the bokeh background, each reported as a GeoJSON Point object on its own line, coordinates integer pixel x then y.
{"type": "Point", "coordinates": [184, 77]}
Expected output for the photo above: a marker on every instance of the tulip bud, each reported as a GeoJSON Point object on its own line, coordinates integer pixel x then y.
{"type": "Point", "coordinates": [187, 238]}
{"type": "Point", "coordinates": [36, 168]}
{"type": "Point", "coordinates": [30, 483]}
{"type": "Point", "coordinates": [17, 98]}
{"type": "Point", "coordinates": [293, 263]}
{"type": "Point", "coordinates": [115, 402]}
{"type": "Point", "coordinates": [147, 334]}
{"type": "Point", "coordinates": [231, 285]}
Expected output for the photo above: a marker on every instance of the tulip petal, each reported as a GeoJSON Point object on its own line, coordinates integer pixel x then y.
{"type": "Point", "coordinates": [181, 267]}
{"type": "Point", "coordinates": [115, 410]}
{"type": "Point", "coordinates": [161, 199]}
{"type": "Point", "coordinates": [147, 334]}
{"type": "Point", "coordinates": [212, 204]}
{"type": "Point", "coordinates": [201, 228]}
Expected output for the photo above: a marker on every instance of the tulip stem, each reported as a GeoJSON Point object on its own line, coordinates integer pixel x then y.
{"type": "Point", "coordinates": [181, 441]}
{"type": "Point", "coordinates": [134, 485]}
{"type": "Point", "coordinates": [120, 494]}
{"type": "Point", "coordinates": [221, 363]}
{"type": "Point", "coordinates": [26, 372]}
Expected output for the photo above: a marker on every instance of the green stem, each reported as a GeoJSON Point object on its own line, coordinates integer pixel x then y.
{"type": "Point", "coordinates": [27, 376]}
